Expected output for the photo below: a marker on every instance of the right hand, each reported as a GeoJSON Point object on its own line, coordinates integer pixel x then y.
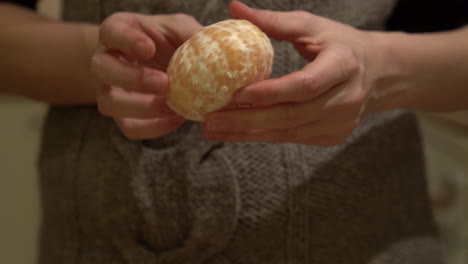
{"type": "Point", "coordinates": [131, 62]}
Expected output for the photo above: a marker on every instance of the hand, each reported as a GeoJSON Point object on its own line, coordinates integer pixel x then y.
{"type": "Point", "coordinates": [318, 105]}
{"type": "Point", "coordinates": [135, 52]}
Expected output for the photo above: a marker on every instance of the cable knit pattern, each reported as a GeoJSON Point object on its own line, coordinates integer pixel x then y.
{"type": "Point", "coordinates": [182, 199]}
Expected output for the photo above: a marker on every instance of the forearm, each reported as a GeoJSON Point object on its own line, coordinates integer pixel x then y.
{"type": "Point", "coordinates": [44, 59]}
{"type": "Point", "coordinates": [425, 71]}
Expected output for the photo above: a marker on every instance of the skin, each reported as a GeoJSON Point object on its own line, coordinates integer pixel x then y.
{"type": "Point", "coordinates": [130, 63]}
{"type": "Point", "coordinates": [45, 59]}
{"type": "Point", "coordinates": [120, 66]}
{"type": "Point", "coordinates": [117, 65]}
{"type": "Point", "coordinates": [352, 74]}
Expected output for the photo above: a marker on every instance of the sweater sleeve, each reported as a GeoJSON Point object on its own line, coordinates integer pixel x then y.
{"type": "Point", "coordinates": [428, 15]}
{"type": "Point", "coordinates": [25, 3]}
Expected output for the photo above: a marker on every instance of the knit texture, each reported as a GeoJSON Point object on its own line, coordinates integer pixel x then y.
{"type": "Point", "coordinates": [182, 199]}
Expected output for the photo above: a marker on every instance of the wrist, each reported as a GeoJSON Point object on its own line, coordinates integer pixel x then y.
{"type": "Point", "coordinates": [424, 71]}
{"type": "Point", "coordinates": [90, 39]}
{"type": "Point", "coordinates": [89, 43]}
{"type": "Point", "coordinates": [390, 83]}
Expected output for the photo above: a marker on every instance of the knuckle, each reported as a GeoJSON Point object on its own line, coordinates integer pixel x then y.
{"type": "Point", "coordinates": [103, 29]}
{"type": "Point", "coordinates": [97, 66]}
{"type": "Point", "coordinates": [112, 27]}
{"type": "Point", "coordinates": [356, 99]}
{"type": "Point", "coordinates": [116, 73]}
{"type": "Point", "coordinates": [350, 65]}
{"type": "Point", "coordinates": [353, 66]}
{"type": "Point", "coordinates": [107, 31]}
{"type": "Point", "coordinates": [309, 85]}
{"type": "Point", "coordinates": [108, 23]}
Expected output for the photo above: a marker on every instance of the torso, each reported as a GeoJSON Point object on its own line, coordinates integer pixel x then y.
{"type": "Point", "coordinates": [183, 199]}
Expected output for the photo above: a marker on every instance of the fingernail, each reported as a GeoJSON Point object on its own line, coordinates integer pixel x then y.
{"type": "Point", "coordinates": [244, 98]}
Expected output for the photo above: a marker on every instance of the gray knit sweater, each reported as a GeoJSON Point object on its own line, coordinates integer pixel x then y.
{"type": "Point", "coordinates": [182, 199]}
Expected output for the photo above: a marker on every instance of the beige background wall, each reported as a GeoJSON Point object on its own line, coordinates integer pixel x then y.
{"type": "Point", "coordinates": [21, 119]}
{"type": "Point", "coordinates": [21, 122]}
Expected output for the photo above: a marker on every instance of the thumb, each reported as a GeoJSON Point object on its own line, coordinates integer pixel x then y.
{"type": "Point", "coordinates": [287, 26]}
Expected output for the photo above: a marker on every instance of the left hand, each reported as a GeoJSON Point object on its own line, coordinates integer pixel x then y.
{"type": "Point", "coordinates": [135, 51]}
{"type": "Point", "coordinates": [318, 105]}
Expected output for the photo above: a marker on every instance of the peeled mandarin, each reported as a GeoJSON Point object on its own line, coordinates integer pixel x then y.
{"type": "Point", "coordinates": [205, 71]}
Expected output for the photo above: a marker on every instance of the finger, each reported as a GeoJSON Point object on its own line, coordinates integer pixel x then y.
{"type": "Point", "coordinates": [308, 47]}
{"type": "Point", "coordinates": [117, 102]}
{"type": "Point", "coordinates": [247, 119]}
{"type": "Point", "coordinates": [169, 32]}
{"type": "Point", "coordinates": [326, 71]}
{"type": "Point", "coordinates": [279, 25]}
{"type": "Point", "coordinates": [123, 34]}
{"type": "Point", "coordinates": [139, 129]}
{"type": "Point", "coordinates": [178, 27]}
{"type": "Point", "coordinates": [165, 48]}
{"type": "Point", "coordinates": [279, 116]}
{"type": "Point", "coordinates": [116, 72]}
{"type": "Point", "coordinates": [334, 123]}
{"type": "Point", "coordinates": [281, 136]}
